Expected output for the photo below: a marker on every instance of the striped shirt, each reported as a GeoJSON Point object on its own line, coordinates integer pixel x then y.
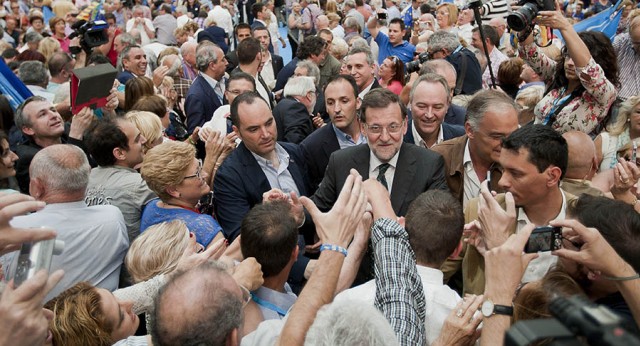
{"type": "Point", "coordinates": [399, 293]}
{"type": "Point", "coordinates": [628, 62]}
{"type": "Point", "coordinates": [495, 9]}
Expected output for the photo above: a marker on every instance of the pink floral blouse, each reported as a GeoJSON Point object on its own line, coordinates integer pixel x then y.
{"type": "Point", "coordinates": [582, 113]}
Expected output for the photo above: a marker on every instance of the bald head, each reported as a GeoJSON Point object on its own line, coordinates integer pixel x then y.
{"type": "Point", "coordinates": [499, 25]}
{"type": "Point", "coordinates": [199, 306]}
{"type": "Point", "coordinates": [173, 63]}
{"type": "Point", "coordinates": [322, 22]}
{"type": "Point", "coordinates": [582, 155]}
{"type": "Point", "coordinates": [59, 173]}
{"type": "Point", "coordinates": [188, 52]}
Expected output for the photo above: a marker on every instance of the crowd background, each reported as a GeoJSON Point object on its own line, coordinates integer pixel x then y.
{"type": "Point", "coordinates": [318, 172]}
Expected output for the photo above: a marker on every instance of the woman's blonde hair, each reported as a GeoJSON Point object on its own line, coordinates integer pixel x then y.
{"type": "Point", "coordinates": [62, 7]}
{"type": "Point", "coordinates": [331, 7]}
{"type": "Point", "coordinates": [78, 318]}
{"type": "Point", "coordinates": [453, 12]}
{"type": "Point", "coordinates": [622, 121]}
{"type": "Point", "coordinates": [48, 46]}
{"type": "Point", "coordinates": [157, 250]}
{"type": "Point", "coordinates": [149, 125]}
{"type": "Point", "coordinates": [166, 165]}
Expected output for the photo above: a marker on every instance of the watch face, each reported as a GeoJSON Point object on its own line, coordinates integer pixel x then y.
{"type": "Point", "coordinates": [487, 308]}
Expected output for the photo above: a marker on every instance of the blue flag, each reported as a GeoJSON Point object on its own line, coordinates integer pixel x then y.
{"type": "Point", "coordinates": [12, 87]}
{"type": "Point", "coordinates": [605, 22]}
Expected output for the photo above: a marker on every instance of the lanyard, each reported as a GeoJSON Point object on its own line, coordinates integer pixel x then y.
{"type": "Point", "coordinates": [267, 305]}
{"type": "Point", "coordinates": [556, 103]}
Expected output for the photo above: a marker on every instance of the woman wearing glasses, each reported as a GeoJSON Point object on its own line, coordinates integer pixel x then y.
{"type": "Point", "coordinates": [180, 180]}
{"type": "Point", "coordinates": [583, 81]}
{"type": "Point", "coordinates": [392, 74]}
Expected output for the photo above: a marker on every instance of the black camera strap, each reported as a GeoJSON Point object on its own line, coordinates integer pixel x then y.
{"type": "Point", "coordinates": [461, 75]}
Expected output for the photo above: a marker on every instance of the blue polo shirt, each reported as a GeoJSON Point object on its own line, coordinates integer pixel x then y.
{"type": "Point", "coordinates": [404, 50]}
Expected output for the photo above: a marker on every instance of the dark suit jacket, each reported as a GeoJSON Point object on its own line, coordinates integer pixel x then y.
{"type": "Point", "coordinates": [292, 120]}
{"type": "Point", "coordinates": [200, 104]}
{"type": "Point", "coordinates": [232, 59]}
{"type": "Point", "coordinates": [284, 74]}
{"type": "Point", "coordinates": [448, 131]}
{"type": "Point", "coordinates": [418, 170]}
{"type": "Point", "coordinates": [317, 148]}
{"type": "Point", "coordinates": [216, 35]}
{"type": "Point", "coordinates": [453, 153]}
{"type": "Point", "coordinates": [240, 183]}
{"type": "Point", "coordinates": [455, 115]}
{"type": "Point", "coordinates": [277, 63]}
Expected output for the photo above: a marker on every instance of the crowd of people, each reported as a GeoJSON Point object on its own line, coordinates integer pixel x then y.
{"type": "Point", "coordinates": [379, 187]}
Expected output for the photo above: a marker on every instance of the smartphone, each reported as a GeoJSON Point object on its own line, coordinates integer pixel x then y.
{"type": "Point", "coordinates": [634, 152]}
{"type": "Point", "coordinates": [382, 15]}
{"type": "Point", "coordinates": [545, 238]}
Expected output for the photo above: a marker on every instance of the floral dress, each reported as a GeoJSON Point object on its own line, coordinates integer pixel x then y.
{"type": "Point", "coordinates": [582, 113]}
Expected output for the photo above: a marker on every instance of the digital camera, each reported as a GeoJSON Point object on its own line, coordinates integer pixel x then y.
{"type": "Point", "coordinates": [522, 18]}
{"type": "Point", "coordinates": [546, 238]}
{"type": "Point", "coordinates": [34, 257]}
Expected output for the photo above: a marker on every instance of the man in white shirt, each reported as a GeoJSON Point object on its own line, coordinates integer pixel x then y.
{"type": "Point", "coordinates": [493, 41]}
{"type": "Point", "coordinates": [144, 25]}
{"type": "Point", "coordinates": [464, 25]}
{"type": "Point", "coordinates": [434, 223]}
{"type": "Point", "coordinates": [361, 67]}
{"type": "Point", "coordinates": [222, 17]}
{"type": "Point", "coordinates": [534, 159]}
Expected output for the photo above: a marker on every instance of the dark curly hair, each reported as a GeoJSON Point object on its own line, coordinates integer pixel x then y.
{"type": "Point", "coordinates": [602, 52]}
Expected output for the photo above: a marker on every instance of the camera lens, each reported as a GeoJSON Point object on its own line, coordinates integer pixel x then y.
{"type": "Point", "coordinates": [412, 66]}
{"type": "Point", "coordinates": [521, 18]}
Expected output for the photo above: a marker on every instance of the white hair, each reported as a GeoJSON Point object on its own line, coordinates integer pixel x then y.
{"type": "Point", "coordinates": [299, 86]}
{"type": "Point", "coordinates": [350, 323]}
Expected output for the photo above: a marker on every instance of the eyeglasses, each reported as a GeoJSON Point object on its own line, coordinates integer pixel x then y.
{"type": "Point", "coordinates": [246, 296]}
{"type": "Point", "coordinates": [394, 58]}
{"type": "Point", "coordinates": [377, 129]}
{"type": "Point", "coordinates": [198, 172]}
{"type": "Point", "coordinates": [236, 92]}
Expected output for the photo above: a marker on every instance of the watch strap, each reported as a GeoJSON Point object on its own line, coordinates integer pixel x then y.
{"type": "Point", "coordinates": [503, 310]}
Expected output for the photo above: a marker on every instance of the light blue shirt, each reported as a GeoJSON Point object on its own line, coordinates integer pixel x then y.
{"type": "Point", "coordinates": [279, 178]}
{"type": "Point", "coordinates": [345, 140]}
{"type": "Point", "coordinates": [274, 304]}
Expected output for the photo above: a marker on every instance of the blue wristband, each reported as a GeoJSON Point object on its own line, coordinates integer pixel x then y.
{"type": "Point", "coordinates": [336, 248]}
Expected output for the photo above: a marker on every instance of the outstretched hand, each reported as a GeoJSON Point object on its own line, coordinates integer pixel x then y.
{"type": "Point", "coordinates": [338, 226]}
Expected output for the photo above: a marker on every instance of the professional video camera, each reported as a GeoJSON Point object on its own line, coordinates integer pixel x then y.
{"type": "Point", "coordinates": [414, 66]}
{"type": "Point", "coordinates": [577, 322]}
{"type": "Point", "coordinates": [522, 18]}
{"type": "Point", "coordinates": [92, 34]}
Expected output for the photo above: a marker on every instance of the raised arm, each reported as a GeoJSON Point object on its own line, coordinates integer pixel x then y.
{"type": "Point", "coordinates": [334, 228]}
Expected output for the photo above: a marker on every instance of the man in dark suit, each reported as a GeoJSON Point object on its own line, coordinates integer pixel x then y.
{"type": "Point", "coordinates": [430, 99]}
{"type": "Point", "coordinates": [259, 164]}
{"type": "Point", "coordinates": [293, 112]}
{"type": "Point", "coordinates": [216, 35]}
{"type": "Point", "coordinates": [242, 32]}
{"type": "Point", "coordinates": [341, 98]}
{"type": "Point", "coordinates": [406, 170]}
{"type": "Point", "coordinates": [256, 166]}
{"type": "Point", "coordinates": [455, 115]}
{"type": "Point", "coordinates": [207, 91]}
{"type": "Point", "coordinates": [313, 48]}
{"type": "Point", "coordinates": [250, 54]}
{"type": "Point", "coordinates": [361, 67]}
{"type": "Point", "coordinates": [273, 63]}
